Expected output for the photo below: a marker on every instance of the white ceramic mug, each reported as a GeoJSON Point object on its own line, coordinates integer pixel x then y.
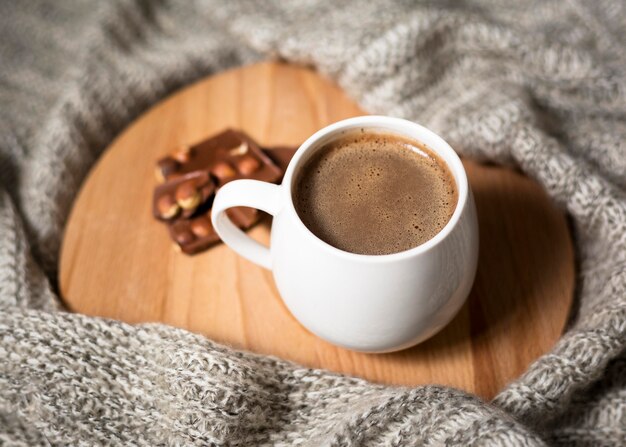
{"type": "Point", "coordinates": [361, 302]}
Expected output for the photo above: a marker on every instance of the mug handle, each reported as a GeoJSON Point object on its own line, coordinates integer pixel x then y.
{"type": "Point", "coordinates": [251, 193]}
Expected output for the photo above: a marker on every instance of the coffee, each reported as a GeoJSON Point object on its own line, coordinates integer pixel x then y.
{"type": "Point", "coordinates": [374, 193]}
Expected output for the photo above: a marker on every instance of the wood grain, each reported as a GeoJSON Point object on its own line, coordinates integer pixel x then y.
{"type": "Point", "coordinates": [118, 262]}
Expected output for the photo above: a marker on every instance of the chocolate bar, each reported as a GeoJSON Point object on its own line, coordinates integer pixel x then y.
{"type": "Point", "coordinates": [196, 234]}
{"type": "Point", "coordinates": [190, 176]}
{"type": "Point", "coordinates": [182, 196]}
{"type": "Point", "coordinates": [227, 156]}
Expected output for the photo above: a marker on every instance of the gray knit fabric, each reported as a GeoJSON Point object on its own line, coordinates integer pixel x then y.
{"type": "Point", "coordinates": [541, 86]}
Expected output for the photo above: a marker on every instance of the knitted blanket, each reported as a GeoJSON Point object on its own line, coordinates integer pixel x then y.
{"type": "Point", "coordinates": [538, 85]}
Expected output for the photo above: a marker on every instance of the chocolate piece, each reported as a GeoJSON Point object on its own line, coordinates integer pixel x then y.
{"type": "Point", "coordinates": [191, 174]}
{"type": "Point", "coordinates": [201, 226]}
{"type": "Point", "coordinates": [181, 233]}
{"type": "Point", "coordinates": [166, 207]}
{"type": "Point", "coordinates": [280, 155]}
{"type": "Point", "coordinates": [244, 217]}
{"type": "Point", "coordinates": [227, 156]}
{"type": "Point", "coordinates": [196, 234]}
{"type": "Point", "coordinates": [166, 167]}
{"type": "Point", "coordinates": [182, 196]}
{"type": "Point", "coordinates": [187, 195]}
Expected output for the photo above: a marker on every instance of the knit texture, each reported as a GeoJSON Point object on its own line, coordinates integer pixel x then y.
{"type": "Point", "coordinates": [538, 85]}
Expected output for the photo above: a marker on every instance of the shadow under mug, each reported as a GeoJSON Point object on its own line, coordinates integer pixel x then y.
{"type": "Point", "coordinates": [366, 303]}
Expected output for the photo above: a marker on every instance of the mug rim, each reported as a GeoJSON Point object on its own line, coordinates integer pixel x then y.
{"type": "Point", "coordinates": [450, 158]}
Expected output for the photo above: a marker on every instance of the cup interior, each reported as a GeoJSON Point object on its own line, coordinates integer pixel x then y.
{"type": "Point", "coordinates": [392, 126]}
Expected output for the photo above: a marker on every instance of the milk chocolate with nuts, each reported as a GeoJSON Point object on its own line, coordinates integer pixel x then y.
{"type": "Point", "coordinates": [227, 156]}
{"type": "Point", "coordinates": [196, 234]}
{"type": "Point", "coordinates": [182, 196]}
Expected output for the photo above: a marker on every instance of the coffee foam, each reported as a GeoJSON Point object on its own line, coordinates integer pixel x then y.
{"type": "Point", "coordinates": [374, 194]}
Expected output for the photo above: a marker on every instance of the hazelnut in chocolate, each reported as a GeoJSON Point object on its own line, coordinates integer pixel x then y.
{"type": "Point", "coordinates": [181, 196]}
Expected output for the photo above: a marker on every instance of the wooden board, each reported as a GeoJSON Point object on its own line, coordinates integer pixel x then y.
{"type": "Point", "coordinates": [118, 262]}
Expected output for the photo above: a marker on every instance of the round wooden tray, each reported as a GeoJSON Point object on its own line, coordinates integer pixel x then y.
{"type": "Point", "coordinates": [118, 262]}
